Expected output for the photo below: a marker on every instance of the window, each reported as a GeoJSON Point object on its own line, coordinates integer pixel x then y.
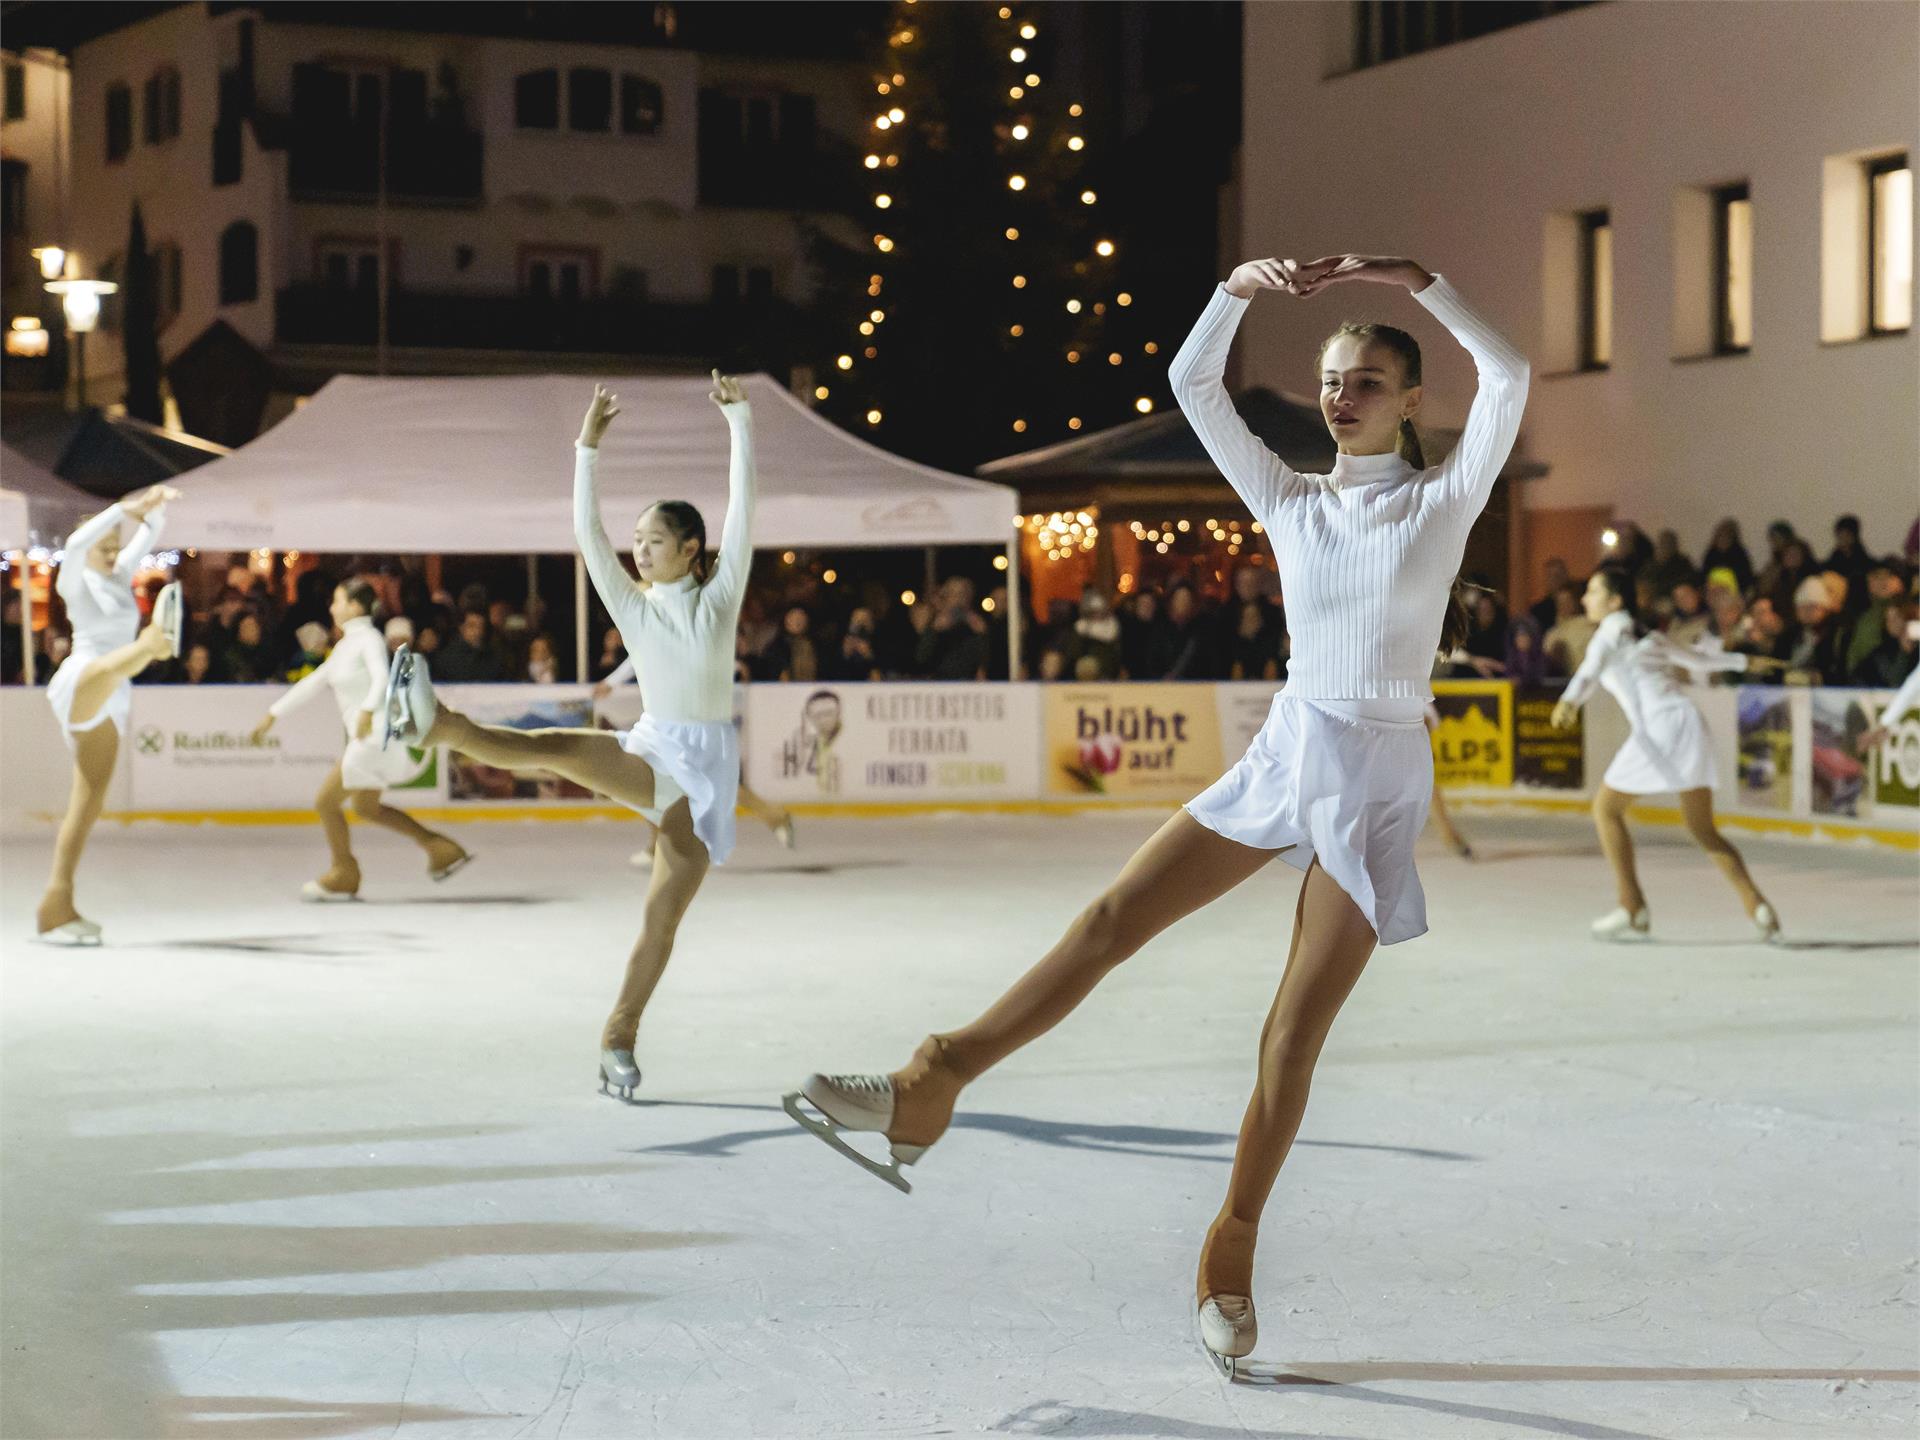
{"type": "Point", "coordinates": [239, 264]}
{"type": "Point", "coordinates": [16, 90]}
{"type": "Point", "coordinates": [119, 122]}
{"type": "Point", "coordinates": [348, 263]}
{"type": "Point", "coordinates": [536, 100]}
{"type": "Point", "coordinates": [13, 197]}
{"type": "Point", "coordinates": [166, 283]}
{"type": "Point", "coordinates": [556, 272]}
{"type": "Point", "coordinates": [1733, 269]}
{"type": "Point", "coordinates": [1889, 245]}
{"type": "Point", "coordinates": [641, 106]}
{"type": "Point", "coordinates": [161, 103]}
{"type": "Point", "coordinates": [1386, 30]}
{"type": "Point", "coordinates": [589, 100]}
{"type": "Point", "coordinates": [1596, 290]}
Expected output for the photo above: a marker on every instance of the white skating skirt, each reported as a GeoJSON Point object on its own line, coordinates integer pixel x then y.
{"type": "Point", "coordinates": [1667, 752]}
{"type": "Point", "coordinates": [365, 766]}
{"type": "Point", "coordinates": [60, 696]}
{"type": "Point", "coordinates": [694, 760]}
{"type": "Point", "coordinates": [1350, 793]}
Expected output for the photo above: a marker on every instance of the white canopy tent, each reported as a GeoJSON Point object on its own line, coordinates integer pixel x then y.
{"type": "Point", "coordinates": [484, 465]}
{"type": "Point", "coordinates": [37, 507]}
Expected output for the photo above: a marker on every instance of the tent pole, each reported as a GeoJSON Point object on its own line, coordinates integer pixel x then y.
{"type": "Point", "coordinates": [932, 574]}
{"type": "Point", "coordinates": [533, 578]}
{"type": "Point", "coordinates": [1015, 609]}
{"type": "Point", "coordinates": [26, 617]}
{"type": "Point", "coordinates": [580, 618]}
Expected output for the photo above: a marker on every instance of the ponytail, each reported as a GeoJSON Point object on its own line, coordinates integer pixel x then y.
{"type": "Point", "coordinates": [1407, 444]}
{"type": "Point", "coordinates": [1620, 583]}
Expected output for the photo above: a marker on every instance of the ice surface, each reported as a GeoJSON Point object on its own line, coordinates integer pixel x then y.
{"type": "Point", "coordinates": [274, 1170]}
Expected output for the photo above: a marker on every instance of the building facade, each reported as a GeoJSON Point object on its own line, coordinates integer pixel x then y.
{"type": "Point", "coordinates": [1697, 219]}
{"type": "Point", "coordinates": [33, 208]}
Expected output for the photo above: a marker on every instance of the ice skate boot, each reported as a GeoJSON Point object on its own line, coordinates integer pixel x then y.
{"type": "Point", "coordinates": [170, 616]}
{"type": "Point", "coordinates": [1766, 922]}
{"type": "Point", "coordinates": [1223, 1311]}
{"type": "Point", "coordinates": [1228, 1331]}
{"type": "Point", "coordinates": [642, 859]}
{"type": "Point", "coordinates": [619, 1071]}
{"type": "Point", "coordinates": [783, 832]}
{"type": "Point", "coordinates": [910, 1107]}
{"type": "Point", "coordinates": [78, 931]}
{"type": "Point", "coordinates": [341, 883]}
{"type": "Point", "coordinates": [408, 717]}
{"type": "Point", "coordinates": [445, 856]}
{"type": "Point", "coordinates": [1619, 924]}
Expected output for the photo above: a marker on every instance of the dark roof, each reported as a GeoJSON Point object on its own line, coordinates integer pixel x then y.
{"type": "Point", "coordinates": [105, 455]}
{"type": "Point", "coordinates": [1164, 446]}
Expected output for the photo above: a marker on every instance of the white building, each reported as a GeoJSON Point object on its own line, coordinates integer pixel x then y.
{"type": "Point", "coordinates": [1696, 218]}
{"type": "Point", "coordinates": [33, 197]}
{"type": "Point", "coordinates": [543, 199]}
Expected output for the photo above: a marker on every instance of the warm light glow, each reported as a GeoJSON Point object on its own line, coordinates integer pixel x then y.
{"type": "Point", "coordinates": [1087, 197]}
{"type": "Point", "coordinates": [883, 244]}
{"type": "Point", "coordinates": [1257, 529]}
{"type": "Point", "coordinates": [1027, 32]}
{"type": "Point", "coordinates": [1016, 182]}
{"type": "Point", "coordinates": [80, 299]}
{"type": "Point", "coordinates": [1114, 358]}
{"type": "Point", "coordinates": [884, 88]}
{"type": "Point", "coordinates": [1073, 357]}
{"type": "Point", "coordinates": [1076, 143]}
{"type": "Point", "coordinates": [877, 316]}
{"type": "Point", "coordinates": [1123, 299]}
{"type": "Point", "coordinates": [1074, 423]}
{"type": "Point", "coordinates": [1017, 55]}
{"type": "Point", "coordinates": [26, 322]}
{"type": "Point", "coordinates": [1151, 348]}
{"type": "Point", "coordinates": [1143, 405]}
{"type": "Point", "coordinates": [892, 160]}
{"type": "Point", "coordinates": [1073, 307]}
{"type": "Point", "coordinates": [820, 392]}
{"type": "Point", "coordinates": [1012, 234]}
{"type": "Point", "coordinates": [1105, 247]}
{"type": "Point", "coordinates": [1014, 92]}
{"type": "Point", "coordinates": [1019, 427]}
{"type": "Point", "coordinates": [873, 417]}
{"type": "Point", "coordinates": [53, 261]}
{"type": "Point", "coordinates": [897, 115]}
{"type": "Point", "coordinates": [1005, 13]}
{"type": "Point", "coordinates": [907, 597]}
{"type": "Point", "coordinates": [1218, 533]}
{"type": "Point", "coordinates": [881, 122]}
{"type": "Point", "coordinates": [1033, 81]}
{"type": "Point", "coordinates": [883, 201]}
{"type": "Point", "coordinates": [845, 362]}
{"type": "Point", "coordinates": [829, 576]}
{"type": "Point", "coordinates": [866, 327]}
{"type": "Point", "coordinates": [27, 338]}
{"type": "Point", "coordinates": [1019, 282]}
{"type": "Point", "coordinates": [873, 162]}
{"type": "Point", "coordinates": [1016, 331]}
{"type": "Point", "coordinates": [787, 559]}
{"type": "Point", "coordinates": [1609, 538]}
{"type": "Point", "coordinates": [1074, 110]}
{"type": "Point", "coordinates": [1020, 132]}
{"type": "Point", "coordinates": [869, 352]}
{"type": "Point", "coordinates": [1161, 547]}
{"type": "Point", "coordinates": [987, 604]}
{"type": "Point", "coordinates": [999, 562]}
{"type": "Point", "coordinates": [1184, 526]}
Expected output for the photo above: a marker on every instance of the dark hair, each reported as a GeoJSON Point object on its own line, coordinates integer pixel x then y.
{"type": "Point", "coordinates": [683, 521]}
{"type": "Point", "coordinates": [1848, 522]}
{"type": "Point", "coordinates": [1618, 582]}
{"type": "Point", "coordinates": [359, 592]}
{"type": "Point", "coordinates": [1407, 350]}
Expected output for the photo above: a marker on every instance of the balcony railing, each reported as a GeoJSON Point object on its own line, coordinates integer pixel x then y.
{"type": "Point", "coordinates": [328, 315]}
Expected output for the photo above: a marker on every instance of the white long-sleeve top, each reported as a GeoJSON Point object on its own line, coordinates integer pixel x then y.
{"type": "Point", "coordinates": [680, 634]}
{"type": "Point", "coordinates": [1643, 672]}
{"type": "Point", "coordinates": [355, 671]}
{"type": "Point", "coordinates": [1368, 553]}
{"type": "Point", "coordinates": [102, 608]}
{"type": "Point", "coordinates": [1904, 699]}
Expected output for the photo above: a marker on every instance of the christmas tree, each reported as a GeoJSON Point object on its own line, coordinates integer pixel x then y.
{"type": "Point", "coordinates": [988, 308]}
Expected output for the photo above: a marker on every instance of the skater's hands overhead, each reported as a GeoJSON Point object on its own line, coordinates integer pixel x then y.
{"type": "Point", "coordinates": [143, 503]}
{"type": "Point", "coordinates": [727, 390]}
{"type": "Point", "coordinates": [600, 412]}
{"type": "Point", "coordinates": [1303, 278]}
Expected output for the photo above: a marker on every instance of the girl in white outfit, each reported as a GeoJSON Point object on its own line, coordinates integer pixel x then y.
{"type": "Point", "coordinates": [776, 818]}
{"type": "Point", "coordinates": [355, 670]}
{"type": "Point", "coordinates": [1667, 752]}
{"type": "Point", "coordinates": [680, 765]}
{"type": "Point", "coordinates": [1337, 782]}
{"type": "Point", "coordinates": [92, 691]}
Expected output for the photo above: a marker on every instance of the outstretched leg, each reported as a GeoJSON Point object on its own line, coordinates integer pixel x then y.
{"type": "Point", "coordinates": [1184, 867]}
{"type": "Point", "coordinates": [94, 754]}
{"type": "Point", "coordinates": [1332, 942]}
{"type": "Point", "coordinates": [591, 759]}
{"type": "Point", "coordinates": [680, 863]}
{"type": "Point", "coordinates": [1610, 819]}
{"type": "Point", "coordinates": [1696, 808]}
{"type": "Point", "coordinates": [442, 850]}
{"type": "Point", "coordinates": [103, 674]}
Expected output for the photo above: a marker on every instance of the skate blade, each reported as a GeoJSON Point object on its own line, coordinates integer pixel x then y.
{"type": "Point", "coordinates": [68, 937]}
{"type": "Point", "coordinates": [315, 895]}
{"type": "Point", "coordinates": [623, 1093]}
{"type": "Point", "coordinates": [453, 869]}
{"type": "Point", "coordinates": [1226, 1366]}
{"type": "Point", "coordinates": [828, 1131]}
{"type": "Point", "coordinates": [396, 721]}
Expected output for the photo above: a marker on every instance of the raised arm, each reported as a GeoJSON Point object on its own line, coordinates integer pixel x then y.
{"type": "Point", "coordinates": [1198, 376]}
{"type": "Point", "coordinates": [305, 688]}
{"type": "Point", "coordinates": [83, 538]}
{"type": "Point", "coordinates": [1613, 636]}
{"type": "Point", "coordinates": [1493, 423]}
{"type": "Point", "coordinates": [138, 548]}
{"type": "Point", "coordinates": [610, 580]}
{"type": "Point", "coordinates": [728, 587]}
{"type": "Point", "coordinates": [1703, 660]}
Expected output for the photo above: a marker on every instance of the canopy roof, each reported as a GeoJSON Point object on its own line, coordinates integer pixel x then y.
{"type": "Point", "coordinates": [484, 464]}
{"type": "Point", "coordinates": [37, 507]}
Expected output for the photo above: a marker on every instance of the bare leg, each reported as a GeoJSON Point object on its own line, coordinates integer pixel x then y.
{"type": "Point", "coordinates": [590, 758]}
{"type": "Point", "coordinates": [1610, 818]}
{"type": "Point", "coordinates": [1696, 808]}
{"type": "Point", "coordinates": [441, 850]}
{"type": "Point", "coordinates": [760, 808]}
{"type": "Point", "coordinates": [1444, 820]}
{"type": "Point", "coordinates": [1184, 867]}
{"type": "Point", "coordinates": [1332, 942]}
{"type": "Point", "coordinates": [94, 754]}
{"type": "Point", "coordinates": [680, 863]}
{"type": "Point", "coordinates": [343, 871]}
{"type": "Point", "coordinates": [102, 675]}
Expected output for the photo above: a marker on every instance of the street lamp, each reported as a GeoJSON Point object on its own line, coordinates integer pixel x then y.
{"type": "Point", "coordinates": [80, 299]}
{"type": "Point", "coordinates": [53, 261]}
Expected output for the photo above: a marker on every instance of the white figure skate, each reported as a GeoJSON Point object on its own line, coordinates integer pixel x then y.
{"type": "Point", "coordinates": [410, 704]}
{"type": "Point", "coordinates": [1617, 924]}
{"type": "Point", "coordinates": [170, 614]}
{"type": "Point", "coordinates": [72, 933]}
{"type": "Point", "coordinates": [854, 1102]}
{"type": "Point", "coordinates": [619, 1071]}
{"type": "Point", "coordinates": [1767, 923]}
{"type": "Point", "coordinates": [1228, 1331]}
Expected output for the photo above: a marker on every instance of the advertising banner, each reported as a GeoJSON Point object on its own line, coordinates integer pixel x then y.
{"type": "Point", "coordinates": [1473, 744]}
{"type": "Point", "coordinates": [190, 747]}
{"type": "Point", "coordinates": [1243, 707]}
{"type": "Point", "coordinates": [520, 707]}
{"type": "Point", "coordinates": [901, 742]}
{"type": "Point", "coordinates": [1765, 720]}
{"type": "Point", "coordinates": [1132, 742]}
{"type": "Point", "coordinates": [1545, 758]}
{"type": "Point", "coordinates": [1842, 781]}
{"type": "Point", "coordinates": [1896, 764]}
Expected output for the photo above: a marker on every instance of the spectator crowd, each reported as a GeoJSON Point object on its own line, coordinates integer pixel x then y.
{"type": "Point", "coordinates": [1841, 619]}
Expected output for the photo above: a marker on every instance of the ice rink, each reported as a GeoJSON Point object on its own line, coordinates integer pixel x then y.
{"type": "Point", "coordinates": [274, 1170]}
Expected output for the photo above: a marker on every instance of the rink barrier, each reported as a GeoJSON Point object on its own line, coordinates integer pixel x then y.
{"type": "Point", "coordinates": [886, 749]}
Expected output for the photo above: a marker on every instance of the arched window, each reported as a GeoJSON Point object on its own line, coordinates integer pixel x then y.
{"type": "Point", "coordinates": [239, 263]}
{"type": "Point", "coordinates": [162, 103]}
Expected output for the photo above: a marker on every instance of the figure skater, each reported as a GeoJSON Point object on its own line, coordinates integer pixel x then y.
{"type": "Point", "coordinates": [1906, 698]}
{"type": "Point", "coordinates": [1339, 777]}
{"type": "Point", "coordinates": [356, 672]}
{"type": "Point", "coordinates": [1667, 751]}
{"type": "Point", "coordinates": [92, 691]}
{"type": "Point", "coordinates": [680, 765]}
{"type": "Point", "coordinates": [776, 818]}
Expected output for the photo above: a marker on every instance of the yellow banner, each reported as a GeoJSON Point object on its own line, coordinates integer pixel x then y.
{"type": "Point", "coordinates": [1474, 742]}
{"type": "Point", "coordinates": [1132, 742]}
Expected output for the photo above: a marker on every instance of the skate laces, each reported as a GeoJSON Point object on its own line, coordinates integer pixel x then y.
{"type": "Point", "coordinates": [867, 1087]}
{"type": "Point", "coordinates": [1234, 1309]}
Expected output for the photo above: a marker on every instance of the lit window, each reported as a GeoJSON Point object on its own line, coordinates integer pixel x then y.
{"type": "Point", "coordinates": [1889, 245]}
